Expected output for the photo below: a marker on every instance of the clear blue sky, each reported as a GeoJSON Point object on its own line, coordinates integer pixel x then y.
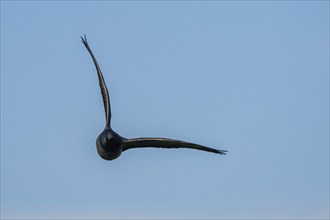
{"type": "Point", "coordinates": [251, 77]}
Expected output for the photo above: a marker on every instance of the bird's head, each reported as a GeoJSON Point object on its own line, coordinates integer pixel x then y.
{"type": "Point", "coordinates": [108, 144]}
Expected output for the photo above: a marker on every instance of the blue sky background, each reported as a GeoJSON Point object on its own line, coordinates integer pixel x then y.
{"type": "Point", "coordinates": [251, 77]}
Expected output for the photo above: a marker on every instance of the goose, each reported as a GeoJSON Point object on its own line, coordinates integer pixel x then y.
{"type": "Point", "coordinates": [110, 144]}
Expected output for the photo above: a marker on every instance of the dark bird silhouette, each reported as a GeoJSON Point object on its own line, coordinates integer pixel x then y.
{"type": "Point", "coordinates": [110, 145]}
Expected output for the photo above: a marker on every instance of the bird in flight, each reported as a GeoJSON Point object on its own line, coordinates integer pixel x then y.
{"type": "Point", "coordinates": [110, 145]}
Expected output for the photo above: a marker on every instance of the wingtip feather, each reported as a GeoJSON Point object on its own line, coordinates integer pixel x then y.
{"type": "Point", "coordinates": [83, 39]}
{"type": "Point", "coordinates": [222, 152]}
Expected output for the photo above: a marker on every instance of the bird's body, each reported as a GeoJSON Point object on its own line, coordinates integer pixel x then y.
{"type": "Point", "coordinates": [110, 145]}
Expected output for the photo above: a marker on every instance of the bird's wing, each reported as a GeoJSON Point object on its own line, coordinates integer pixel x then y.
{"type": "Point", "coordinates": [165, 143]}
{"type": "Point", "coordinates": [104, 90]}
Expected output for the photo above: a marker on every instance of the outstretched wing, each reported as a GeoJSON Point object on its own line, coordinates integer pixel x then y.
{"type": "Point", "coordinates": [104, 90]}
{"type": "Point", "coordinates": [165, 143]}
